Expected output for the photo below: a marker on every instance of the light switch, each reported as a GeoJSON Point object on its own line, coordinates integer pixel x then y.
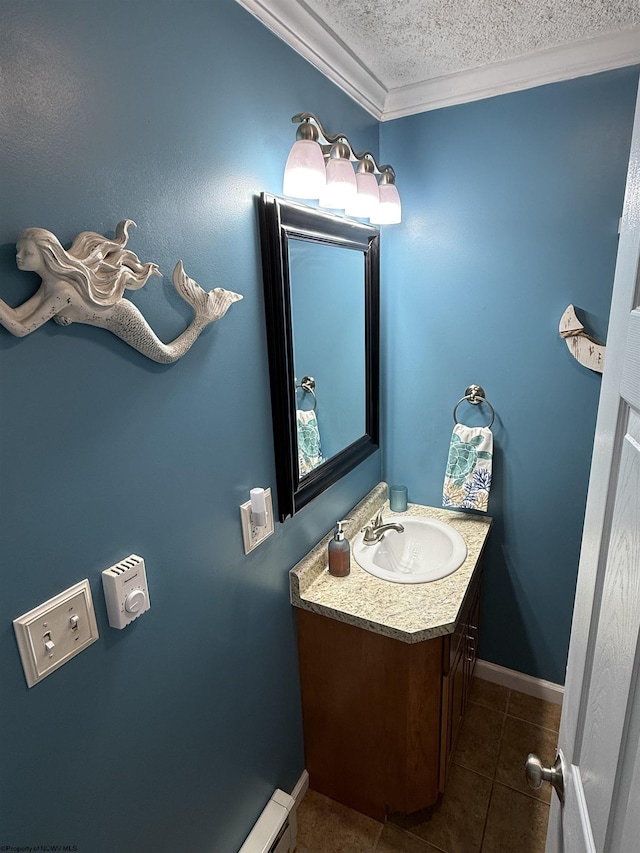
{"type": "Point", "coordinates": [54, 632]}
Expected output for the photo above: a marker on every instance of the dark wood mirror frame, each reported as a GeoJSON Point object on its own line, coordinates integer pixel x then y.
{"type": "Point", "coordinates": [281, 221]}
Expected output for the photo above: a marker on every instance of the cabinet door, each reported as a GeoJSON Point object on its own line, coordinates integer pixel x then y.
{"type": "Point", "coordinates": [452, 701]}
{"type": "Point", "coordinates": [458, 667]}
{"type": "Point", "coordinates": [472, 631]}
{"type": "Point", "coordinates": [371, 711]}
{"type": "Point", "coordinates": [458, 695]}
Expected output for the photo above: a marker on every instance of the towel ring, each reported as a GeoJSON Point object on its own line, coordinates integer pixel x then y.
{"type": "Point", "coordinates": [474, 394]}
{"type": "Point", "coordinates": [308, 385]}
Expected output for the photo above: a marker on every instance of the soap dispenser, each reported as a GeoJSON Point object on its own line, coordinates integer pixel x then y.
{"type": "Point", "coordinates": [339, 553]}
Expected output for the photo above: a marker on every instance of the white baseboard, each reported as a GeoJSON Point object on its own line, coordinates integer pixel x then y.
{"type": "Point", "coordinates": [514, 680]}
{"type": "Point", "coordinates": [301, 788]}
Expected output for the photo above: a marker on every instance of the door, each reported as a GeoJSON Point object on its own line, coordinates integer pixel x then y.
{"type": "Point", "coordinates": [600, 727]}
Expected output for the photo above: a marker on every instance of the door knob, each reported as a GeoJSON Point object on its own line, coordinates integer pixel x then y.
{"type": "Point", "coordinates": [537, 773]}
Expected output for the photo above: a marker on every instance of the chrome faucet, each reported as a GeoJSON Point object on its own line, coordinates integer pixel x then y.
{"type": "Point", "coordinates": [375, 531]}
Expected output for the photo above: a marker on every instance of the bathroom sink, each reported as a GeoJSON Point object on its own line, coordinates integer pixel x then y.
{"type": "Point", "coordinates": [427, 551]}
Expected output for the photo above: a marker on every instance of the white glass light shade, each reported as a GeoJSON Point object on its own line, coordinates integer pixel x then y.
{"type": "Point", "coordinates": [367, 198]}
{"type": "Point", "coordinates": [389, 211]}
{"type": "Point", "coordinates": [341, 186]}
{"type": "Point", "coordinates": [304, 174]}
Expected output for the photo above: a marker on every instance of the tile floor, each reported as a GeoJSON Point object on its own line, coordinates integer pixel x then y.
{"type": "Point", "coordinates": [487, 806]}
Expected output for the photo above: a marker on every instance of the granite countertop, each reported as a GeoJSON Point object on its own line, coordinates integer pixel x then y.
{"type": "Point", "coordinates": [408, 612]}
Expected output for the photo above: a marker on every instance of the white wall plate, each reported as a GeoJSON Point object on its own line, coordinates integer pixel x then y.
{"type": "Point", "coordinates": [252, 536]}
{"type": "Point", "coordinates": [54, 632]}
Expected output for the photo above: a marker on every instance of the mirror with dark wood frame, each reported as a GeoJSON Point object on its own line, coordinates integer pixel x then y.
{"type": "Point", "coordinates": [322, 305]}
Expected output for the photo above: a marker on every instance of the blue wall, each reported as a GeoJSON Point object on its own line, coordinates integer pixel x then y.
{"type": "Point", "coordinates": [172, 734]}
{"type": "Point", "coordinates": [511, 209]}
{"type": "Point", "coordinates": [177, 115]}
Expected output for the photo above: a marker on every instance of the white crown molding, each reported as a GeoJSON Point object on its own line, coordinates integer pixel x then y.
{"type": "Point", "coordinates": [315, 41]}
{"type": "Point", "coordinates": [552, 65]}
{"type": "Point", "coordinates": [312, 39]}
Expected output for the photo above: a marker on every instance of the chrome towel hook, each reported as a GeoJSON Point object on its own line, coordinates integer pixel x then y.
{"type": "Point", "coordinates": [474, 394]}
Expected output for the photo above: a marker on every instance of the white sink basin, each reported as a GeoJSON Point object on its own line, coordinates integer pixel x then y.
{"type": "Point", "coordinates": [427, 551]}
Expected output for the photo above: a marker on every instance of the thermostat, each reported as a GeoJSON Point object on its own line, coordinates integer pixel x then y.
{"type": "Point", "coordinates": [125, 591]}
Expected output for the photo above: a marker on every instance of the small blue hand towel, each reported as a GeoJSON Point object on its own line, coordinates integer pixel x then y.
{"type": "Point", "coordinates": [468, 476]}
{"type": "Point", "coordinates": [309, 451]}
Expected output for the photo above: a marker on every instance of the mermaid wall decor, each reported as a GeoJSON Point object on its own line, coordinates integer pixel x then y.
{"type": "Point", "coordinates": [86, 283]}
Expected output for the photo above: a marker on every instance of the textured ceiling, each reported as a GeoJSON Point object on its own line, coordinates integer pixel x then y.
{"type": "Point", "coordinates": [397, 57]}
{"type": "Point", "coordinates": [408, 41]}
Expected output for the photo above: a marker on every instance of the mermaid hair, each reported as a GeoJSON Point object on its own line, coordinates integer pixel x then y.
{"type": "Point", "coordinates": [99, 268]}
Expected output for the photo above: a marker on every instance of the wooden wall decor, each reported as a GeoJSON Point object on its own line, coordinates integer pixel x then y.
{"type": "Point", "coordinates": [585, 349]}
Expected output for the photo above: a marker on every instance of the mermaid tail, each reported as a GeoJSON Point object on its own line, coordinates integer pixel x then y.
{"type": "Point", "coordinates": [207, 306]}
{"type": "Point", "coordinates": [127, 322]}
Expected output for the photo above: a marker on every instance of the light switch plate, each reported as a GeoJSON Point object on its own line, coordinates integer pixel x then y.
{"type": "Point", "coordinates": [252, 536]}
{"type": "Point", "coordinates": [54, 632]}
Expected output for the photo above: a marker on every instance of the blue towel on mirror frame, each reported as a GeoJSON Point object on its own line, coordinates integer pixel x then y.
{"type": "Point", "coordinates": [309, 450]}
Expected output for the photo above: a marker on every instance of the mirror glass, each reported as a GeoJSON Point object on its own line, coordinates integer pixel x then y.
{"type": "Point", "coordinates": [328, 325]}
{"type": "Point", "coordinates": [321, 279]}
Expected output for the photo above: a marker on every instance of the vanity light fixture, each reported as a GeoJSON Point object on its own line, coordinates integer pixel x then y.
{"type": "Point", "coordinates": [367, 198]}
{"type": "Point", "coordinates": [320, 167]}
{"type": "Point", "coordinates": [389, 210]}
{"type": "Point", "coordinates": [340, 188]}
{"type": "Point", "coordinates": [304, 174]}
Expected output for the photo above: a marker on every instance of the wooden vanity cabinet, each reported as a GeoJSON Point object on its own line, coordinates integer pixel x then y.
{"type": "Point", "coordinates": [459, 659]}
{"type": "Point", "coordinates": [381, 716]}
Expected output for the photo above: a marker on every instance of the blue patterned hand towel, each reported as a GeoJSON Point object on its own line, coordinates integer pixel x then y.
{"type": "Point", "coordinates": [468, 477]}
{"type": "Point", "coordinates": [309, 451]}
